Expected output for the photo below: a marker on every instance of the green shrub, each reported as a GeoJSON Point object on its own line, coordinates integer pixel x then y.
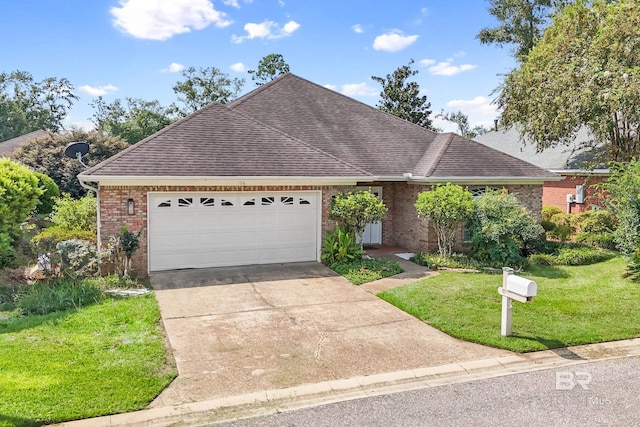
{"type": "Point", "coordinates": [353, 211]}
{"type": "Point", "coordinates": [543, 259]}
{"type": "Point", "coordinates": [50, 193]}
{"type": "Point", "coordinates": [340, 245]}
{"type": "Point", "coordinates": [564, 220]}
{"type": "Point", "coordinates": [582, 256]}
{"type": "Point", "coordinates": [75, 214]}
{"type": "Point", "coordinates": [600, 240]}
{"type": "Point", "coordinates": [633, 267]}
{"type": "Point", "coordinates": [47, 297]}
{"type": "Point", "coordinates": [456, 260]}
{"type": "Point", "coordinates": [548, 225]}
{"type": "Point", "coordinates": [549, 211]}
{"type": "Point", "coordinates": [47, 239]}
{"type": "Point", "coordinates": [561, 232]}
{"type": "Point", "coordinates": [76, 258]}
{"type": "Point", "coordinates": [503, 232]}
{"type": "Point", "coordinates": [366, 270]}
{"type": "Point", "coordinates": [596, 222]}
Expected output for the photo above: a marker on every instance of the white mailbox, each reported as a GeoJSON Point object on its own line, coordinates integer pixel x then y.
{"type": "Point", "coordinates": [521, 286]}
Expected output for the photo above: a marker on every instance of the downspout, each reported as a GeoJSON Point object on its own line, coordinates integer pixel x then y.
{"type": "Point", "coordinates": [95, 189]}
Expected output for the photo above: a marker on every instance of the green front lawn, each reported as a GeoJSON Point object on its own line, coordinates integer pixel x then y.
{"type": "Point", "coordinates": [101, 359]}
{"type": "Point", "coordinates": [575, 305]}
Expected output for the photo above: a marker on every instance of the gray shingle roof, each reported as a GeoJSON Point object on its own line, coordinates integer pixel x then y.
{"type": "Point", "coordinates": [573, 156]}
{"type": "Point", "coordinates": [9, 146]}
{"type": "Point", "coordinates": [293, 127]}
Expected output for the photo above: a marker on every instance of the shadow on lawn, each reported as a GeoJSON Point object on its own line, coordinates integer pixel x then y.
{"type": "Point", "coordinates": [548, 272]}
{"type": "Point", "coordinates": [558, 347]}
{"type": "Point", "coordinates": [6, 420]}
{"type": "Point", "coordinates": [20, 323]}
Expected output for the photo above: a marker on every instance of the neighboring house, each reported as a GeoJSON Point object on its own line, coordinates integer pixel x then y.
{"type": "Point", "coordinates": [251, 182]}
{"type": "Point", "coordinates": [578, 191]}
{"type": "Point", "coordinates": [9, 146]}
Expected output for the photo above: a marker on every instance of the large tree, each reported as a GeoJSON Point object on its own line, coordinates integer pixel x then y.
{"type": "Point", "coordinates": [521, 23]}
{"type": "Point", "coordinates": [27, 105]}
{"type": "Point", "coordinates": [269, 67]}
{"type": "Point", "coordinates": [401, 97]}
{"type": "Point", "coordinates": [583, 73]}
{"type": "Point", "coordinates": [461, 120]}
{"type": "Point", "coordinates": [132, 119]}
{"type": "Point", "coordinates": [203, 86]}
{"type": "Point", "coordinates": [46, 155]}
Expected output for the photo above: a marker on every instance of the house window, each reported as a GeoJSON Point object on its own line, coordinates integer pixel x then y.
{"type": "Point", "coordinates": [304, 201]}
{"type": "Point", "coordinates": [165, 204]}
{"type": "Point", "coordinates": [185, 202]}
{"type": "Point", "coordinates": [250, 202]}
{"type": "Point", "coordinates": [224, 202]}
{"type": "Point", "coordinates": [266, 201]}
{"type": "Point", "coordinates": [286, 200]}
{"type": "Point", "coordinates": [207, 201]}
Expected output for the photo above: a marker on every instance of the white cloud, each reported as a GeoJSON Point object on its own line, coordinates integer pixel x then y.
{"type": "Point", "coordinates": [267, 30]}
{"type": "Point", "coordinates": [97, 90]}
{"type": "Point", "coordinates": [480, 105]}
{"type": "Point", "coordinates": [281, 3]}
{"type": "Point", "coordinates": [353, 89]}
{"type": "Point", "coordinates": [358, 29]}
{"type": "Point", "coordinates": [460, 54]}
{"type": "Point", "coordinates": [424, 11]}
{"type": "Point", "coordinates": [232, 3]}
{"type": "Point", "coordinates": [448, 69]}
{"type": "Point", "coordinates": [174, 67]}
{"type": "Point", "coordinates": [427, 62]}
{"type": "Point", "coordinates": [238, 66]}
{"type": "Point", "coordinates": [358, 89]}
{"type": "Point", "coordinates": [393, 41]}
{"type": "Point", "coordinates": [163, 19]}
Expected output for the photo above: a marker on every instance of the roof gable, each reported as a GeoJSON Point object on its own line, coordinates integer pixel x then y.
{"type": "Point", "coordinates": [217, 141]}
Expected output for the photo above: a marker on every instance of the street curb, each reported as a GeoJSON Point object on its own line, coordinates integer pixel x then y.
{"type": "Point", "coordinates": [273, 401]}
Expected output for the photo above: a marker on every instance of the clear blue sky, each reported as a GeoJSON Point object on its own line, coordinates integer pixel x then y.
{"type": "Point", "coordinates": [136, 48]}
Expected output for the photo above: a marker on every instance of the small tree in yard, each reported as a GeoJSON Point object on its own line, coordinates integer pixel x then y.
{"type": "Point", "coordinates": [445, 207]}
{"type": "Point", "coordinates": [354, 210]}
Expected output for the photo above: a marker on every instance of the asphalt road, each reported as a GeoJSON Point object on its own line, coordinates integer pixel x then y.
{"type": "Point", "coordinates": [605, 393]}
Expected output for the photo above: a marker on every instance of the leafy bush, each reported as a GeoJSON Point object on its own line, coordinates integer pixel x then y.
{"type": "Point", "coordinates": [366, 270]}
{"type": "Point", "coordinates": [503, 233]}
{"type": "Point", "coordinates": [19, 193]}
{"type": "Point", "coordinates": [76, 258]}
{"type": "Point", "coordinates": [62, 294]}
{"type": "Point", "coordinates": [50, 193]}
{"type": "Point", "coordinates": [599, 221]}
{"type": "Point", "coordinates": [455, 260]}
{"type": "Point", "coordinates": [46, 241]}
{"type": "Point", "coordinates": [600, 240]}
{"type": "Point", "coordinates": [623, 200]}
{"type": "Point", "coordinates": [445, 207]}
{"type": "Point", "coordinates": [549, 211]}
{"type": "Point", "coordinates": [340, 245]}
{"type": "Point", "coordinates": [353, 211]}
{"type": "Point", "coordinates": [561, 232]}
{"type": "Point", "coordinates": [633, 267]}
{"type": "Point", "coordinates": [75, 214]}
{"type": "Point", "coordinates": [548, 225]}
{"type": "Point", "coordinates": [564, 220]}
{"type": "Point", "coordinates": [543, 259]}
{"type": "Point", "coordinates": [44, 155]}
{"type": "Point", "coordinates": [583, 256]}
{"type": "Point", "coordinates": [121, 248]}
{"type": "Point", "coordinates": [572, 255]}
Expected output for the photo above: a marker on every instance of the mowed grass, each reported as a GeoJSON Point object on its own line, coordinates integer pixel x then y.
{"type": "Point", "coordinates": [575, 305]}
{"type": "Point", "coordinates": [101, 359]}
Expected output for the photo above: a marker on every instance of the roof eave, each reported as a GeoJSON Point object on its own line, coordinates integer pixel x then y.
{"type": "Point", "coordinates": [485, 180]}
{"type": "Point", "coordinates": [580, 171]}
{"type": "Point", "coordinates": [227, 181]}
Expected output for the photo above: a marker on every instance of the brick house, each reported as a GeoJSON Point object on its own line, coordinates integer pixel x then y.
{"type": "Point", "coordinates": [578, 190]}
{"type": "Point", "coordinates": [251, 182]}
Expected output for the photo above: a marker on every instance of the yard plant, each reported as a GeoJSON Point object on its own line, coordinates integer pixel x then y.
{"type": "Point", "coordinates": [575, 305]}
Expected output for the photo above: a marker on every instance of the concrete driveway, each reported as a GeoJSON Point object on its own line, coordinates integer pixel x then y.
{"type": "Point", "coordinates": [243, 329]}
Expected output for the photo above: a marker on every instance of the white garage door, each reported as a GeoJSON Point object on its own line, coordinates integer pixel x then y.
{"type": "Point", "coordinates": [197, 230]}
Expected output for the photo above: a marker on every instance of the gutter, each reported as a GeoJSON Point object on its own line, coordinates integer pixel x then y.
{"type": "Point", "coordinates": [95, 189]}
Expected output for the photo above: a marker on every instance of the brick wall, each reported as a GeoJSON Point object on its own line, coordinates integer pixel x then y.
{"type": "Point", "coordinates": [401, 227]}
{"type": "Point", "coordinates": [555, 193]}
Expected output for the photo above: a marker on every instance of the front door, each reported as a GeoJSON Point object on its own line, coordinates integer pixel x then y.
{"type": "Point", "coordinates": [373, 232]}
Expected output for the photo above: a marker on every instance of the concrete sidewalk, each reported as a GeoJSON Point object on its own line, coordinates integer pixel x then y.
{"type": "Point", "coordinates": [274, 401]}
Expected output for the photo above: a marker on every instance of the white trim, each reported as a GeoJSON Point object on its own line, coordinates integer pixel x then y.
{"type": "Point", "coordinates": [222, 181]}
{"type": "Point", "coordinates": [477, 180]}
{"type": "Point", "coordinates": [580, 171]}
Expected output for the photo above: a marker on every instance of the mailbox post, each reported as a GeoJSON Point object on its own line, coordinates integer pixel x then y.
{"type": "Point", "coordinates": [514, 288]}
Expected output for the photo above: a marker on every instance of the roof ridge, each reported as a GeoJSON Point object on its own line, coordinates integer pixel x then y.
{"type": "Point", "coordinates": [258, 90]}
{"type": "Point", "coordinates": [306, 144]}
{"type": "Point", "coordinates": [435, 152]}
{"type": "Point", "coordinates": [149, 138]}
